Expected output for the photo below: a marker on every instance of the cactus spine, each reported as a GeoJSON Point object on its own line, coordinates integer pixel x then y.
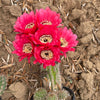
{"type": "Point", "coordinates": [40, 94]}
{"type": "Point", "coordinates": [52, 96]}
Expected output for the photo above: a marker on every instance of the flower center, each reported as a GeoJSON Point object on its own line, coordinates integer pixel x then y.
{"type": "Point", "coordinates": [27, 48]}
{"type": "Point", "coordinates": [30, 25]}
{"type": "Point", "coordinates": [47, 54]}
{"type": "Point", "coordinates": [64, 43]}
{"type": "Point", "coordinates": [46, 22]}
{"type": "Point", "coordinates": [46, 38]}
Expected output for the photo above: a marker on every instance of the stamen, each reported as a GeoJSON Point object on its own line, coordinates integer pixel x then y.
{"type": "Point", "coordinates": [46, 23]}
{"type": "Point", "coordinates": [28, 26]}
{"type": "Point", "coordinates": [27, 48]}
{"type": "Point", "coordinates": [46, 38]}
{"type": "Point", "coordinates": [64, 43]}
{"type": "Point", "coordinates": [47, 54]}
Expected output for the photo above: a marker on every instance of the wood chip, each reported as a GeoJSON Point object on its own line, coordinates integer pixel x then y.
{"type": "Point", "coordinates": [0, 4]}
{"type": "Point", "coordinates": [4, 61]}
{"type": "Point", "coordinates": [12, 58]}
{"type": "Point", "coordinates": [8, 57]}
{"type": "Point", "coordinates": [0, 39]}
{"type": "Point", "coordinates": [1, 32]}
{"type": "Point", "coordinates": [8, 49]}
{"type": "Point", "coordinates": [6, 66]}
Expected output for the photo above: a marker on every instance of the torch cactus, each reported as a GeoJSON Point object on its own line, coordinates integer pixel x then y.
{"type": "Point", "coordinates": [41, 37]}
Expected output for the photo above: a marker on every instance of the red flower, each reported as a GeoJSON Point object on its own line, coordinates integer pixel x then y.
{"type": "Point", "coordinates": [24, 46]}
{"type": "Point", "coordinates": [46, 55]}
{"type": "Point", "coordinates": [26, 23]}
{"type": "Point", "coordinates": [47, 36]}
{"type": "Point", "coordinates": [68, 40]}
{"type": "Point", "coordinates": [47, 17]}
{"type": "Point", "coordinates": [42, 38]}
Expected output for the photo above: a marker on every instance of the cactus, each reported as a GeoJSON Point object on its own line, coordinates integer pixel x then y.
{"type": "Point", "coordinates": [52, 96]}
{"type": "Point", "coordinates": [63, 94]}
{"type": "Point", "coordinates": [40, 94]}
{"type": "Point", "coordinates": [3, 84]}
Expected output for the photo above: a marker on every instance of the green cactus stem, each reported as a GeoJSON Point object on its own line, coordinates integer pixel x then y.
{"type": "Point", "coordinates": [40, 94]}
{"type": "Point", "coordinates": [54, 77]}
{"type": "Point", "coordinates": [3, 84]}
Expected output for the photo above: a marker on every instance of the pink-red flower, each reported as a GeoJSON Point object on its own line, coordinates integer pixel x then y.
{"type": "Point", "coordinates": [41, 37]}
{"type": "Point", "coordinates": [26, 23]}
{"type": "Point", "coordinates": [46, 55]}
{"type": "Point", "coordinates": [47, 36]}
{"type": "Point", "coordinates": [47, 17]}
{"type": "Point", "coordinates": [24, 46]}
{"type": "Point", "coordinates": [67, 40]}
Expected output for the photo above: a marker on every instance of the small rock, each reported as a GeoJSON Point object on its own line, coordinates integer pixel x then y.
{"type": "Point", "coordinates": [97, 5]}
{"type": "Point", "coordinates": [78, 3]}
{"type": "Point", "coordinates": [6, 95]}
{"type": "Point", "coordinates": [89, 79]}
{"type": "Point", "coordinates": [19, 90]}
{"type": "Point", "coordinates": [72, 54]}
{"type": "Point", "coordinates": [70, 4]}
{"type": "Point", "coordinates": [6, 2]}
{"type": "Point", "coordinates": [81, 84]}
{"type": "Point", "coordinates": [6, 9]}
{"type": "Point", "coordinates": [86, 39]}
{"type": "Point", "coordinates": [83, 18]}
{"type": "Point", "coordinates": [15, 10]}
{"type": "Point", "coordinates": [88, 64]}
{"type": "Point", "coordinates": [86, 27]}
{"type": "Point", "coordinates": [13, 20]}
{"type": "Point", "coordinates": [91, 13]}
{"type": "Point", "coordinates": [76, 13]}
{"type": "Point", "coordinates": [89, 5]}
{"type": "Point", "coordinates": [93, 49]}
{"type": "Point", "coordinates": [40, 5]}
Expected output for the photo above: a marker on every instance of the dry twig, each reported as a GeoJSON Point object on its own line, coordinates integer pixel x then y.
{"type": "Point", "coordinates": [7, 66]}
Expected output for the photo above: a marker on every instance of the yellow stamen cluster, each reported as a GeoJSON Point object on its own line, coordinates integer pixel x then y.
{"type": "Point", "coordinates": [46, 23]}
{"type": "Point", "coordinates": [47, 54]}
{"type": "Point", "coordinates": [64, 43]}
{"type": "Point", "coordinates": [46, 38]}
{"type": "Point", "coordinates": [27, 48]}
{"type": "Point", "coordinates": [28, 26]}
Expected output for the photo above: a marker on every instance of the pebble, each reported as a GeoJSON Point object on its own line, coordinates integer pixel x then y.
{"type": "Point", "coordinates": [15, 10]}
{"type": "Point", "coordinates": [18, 89]}
{"type": "Point", "coordinates": [76, 13]}
{"type": "Point", "coordinates": [6, 2]}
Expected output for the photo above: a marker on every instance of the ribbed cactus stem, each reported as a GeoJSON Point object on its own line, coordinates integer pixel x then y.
{"type": "Point", "coordinates": [40, 94]}
{"type": "Point", "coordinates": [54, 77]}
{"type": "Point", "coordinates": [52, 96]}
{"type": "Point", "coordinates": [3, 84]}
{"type": "Point", "coordinates": [58, 76]}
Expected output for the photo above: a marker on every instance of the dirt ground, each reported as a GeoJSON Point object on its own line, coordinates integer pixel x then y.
{"type": "Point", "coordinates": [80, 70]}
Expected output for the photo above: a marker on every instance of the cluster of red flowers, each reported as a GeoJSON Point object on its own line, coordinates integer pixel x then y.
{"type": "Point", "coordinates": [40, 37]}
